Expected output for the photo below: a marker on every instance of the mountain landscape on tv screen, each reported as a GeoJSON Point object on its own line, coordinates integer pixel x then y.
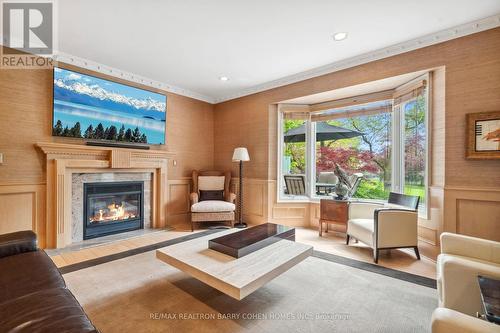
{"type": "Point", "coordinates": [92, 108]}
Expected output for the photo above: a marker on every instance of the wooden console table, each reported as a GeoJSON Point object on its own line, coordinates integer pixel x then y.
{"type": "Point", "coordinates": [333, 212]}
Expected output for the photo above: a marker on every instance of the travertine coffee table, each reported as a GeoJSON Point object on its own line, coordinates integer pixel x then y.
{"type": "Point", "coordinates": [236, 277]}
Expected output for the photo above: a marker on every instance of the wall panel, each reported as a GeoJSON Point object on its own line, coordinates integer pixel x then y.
{"type": "Point", "coordinates": [22, 207]}
{"type": "Point", "coordinates": [473, 211]}
{"type": "Point", "coordinates": [178, 206]}
{"type": "Point", "coordinates": [470, 223]}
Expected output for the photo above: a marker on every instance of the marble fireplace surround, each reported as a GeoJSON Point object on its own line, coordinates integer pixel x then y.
{"type": "Point", "coordinates": [77, 198]}
{"type": "Point", "coordinates": [64, 160]}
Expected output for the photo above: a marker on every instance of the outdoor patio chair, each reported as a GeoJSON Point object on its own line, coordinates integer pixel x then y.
{"type": "Point", "coordinates": [295, 184]}
{"type": "Point", "coordinates": [326, 183]}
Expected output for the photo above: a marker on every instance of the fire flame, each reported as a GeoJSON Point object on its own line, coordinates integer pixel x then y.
{"type": "Point", "coordinates": [114, 212]}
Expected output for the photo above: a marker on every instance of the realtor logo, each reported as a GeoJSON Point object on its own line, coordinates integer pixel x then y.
{"type": "Point", "coordinates": [28, 27]}
{"type": "Point", "coordinates": [27, 34]}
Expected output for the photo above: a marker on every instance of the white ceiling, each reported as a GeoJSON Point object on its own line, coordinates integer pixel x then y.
{"type": "Point", "coordinates": [191, 43]}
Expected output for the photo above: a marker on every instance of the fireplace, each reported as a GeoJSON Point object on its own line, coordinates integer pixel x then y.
{"type": "Point", "coordinates": [112, 207]}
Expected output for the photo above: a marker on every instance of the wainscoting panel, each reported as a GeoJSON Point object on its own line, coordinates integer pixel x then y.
{"type": "Point", "coordinates": [314, 215]}
{"type": "Point", "coordinates": [22, 207]}
{"type": "Point", "coordinates": [179, 204]}
{"type": "Point", "coordinates": [254, 199]}
{"type": "Point", "coordinates": [473, 211]}
{"type": "Point", "coordinates": [427, 235]}
{"type": "Point", "coordinates": [254, 194]}
{"type": "Point", "coordinates": [289, 212]}
{"type": "Point", "coordinates": [470, 223]}
{"type": "Point", "coordinates": [18, 211]}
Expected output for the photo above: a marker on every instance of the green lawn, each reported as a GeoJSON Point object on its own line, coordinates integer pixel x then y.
{"type": "Point", "coordinates": [374, 189]}
{"type": "Point", "coordinates": [371, 189]}
{"type": "Point", "coordinates": [415, 190]}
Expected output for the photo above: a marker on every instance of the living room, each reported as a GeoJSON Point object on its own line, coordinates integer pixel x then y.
{"type": "Point", "coordinates": [261, 167]}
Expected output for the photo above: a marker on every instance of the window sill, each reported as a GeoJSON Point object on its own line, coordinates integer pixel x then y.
{"type": "Point", "coordinates": [316, 200]}
{"type": "Point", "coordinates": [297, 199]}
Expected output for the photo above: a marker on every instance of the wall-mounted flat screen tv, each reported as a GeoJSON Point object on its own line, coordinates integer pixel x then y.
{"type": "Point", "coordinates": [96, 109]}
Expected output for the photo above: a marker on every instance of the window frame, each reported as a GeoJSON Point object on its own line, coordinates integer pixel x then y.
{"type": "Point", "coordinates": [280, 181]}
{"type": "Point", "coordinates": [398, 169]}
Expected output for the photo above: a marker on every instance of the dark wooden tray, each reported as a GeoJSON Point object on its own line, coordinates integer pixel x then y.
{"type": "Point", "coordinates": [490, 297]}
{"type": "Point", "coordinates": [249, 240]}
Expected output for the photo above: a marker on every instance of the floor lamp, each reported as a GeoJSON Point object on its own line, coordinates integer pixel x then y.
{"type": "Point", "coordinates": [240, 155]}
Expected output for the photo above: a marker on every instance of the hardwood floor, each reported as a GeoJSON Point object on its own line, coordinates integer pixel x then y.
{"type": "Point", "coordinates": [403, 260]}
{"type": "Point", "coordinates": [73, 257]}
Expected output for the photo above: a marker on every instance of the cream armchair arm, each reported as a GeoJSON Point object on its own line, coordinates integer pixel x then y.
{"type": "Point", "coordinates": [396, 228]}
{"type": "Point", "coordinates": [450, 321]}
{"type": "Point", "coordinates": [471, 247]}
{"type": "Point", "coordinates": [458, 288]}
{"type": "Point", "coordinates": [363, 210]}
{"type": "Point", "coordinates": [193, 197]}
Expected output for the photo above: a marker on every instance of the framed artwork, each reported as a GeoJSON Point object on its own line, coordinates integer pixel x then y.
{"type": "Point", "coordinates": [483, 135]}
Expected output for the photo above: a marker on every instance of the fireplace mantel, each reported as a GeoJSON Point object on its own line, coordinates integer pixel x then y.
{"type": "Point", "coordinates": [65, 159]}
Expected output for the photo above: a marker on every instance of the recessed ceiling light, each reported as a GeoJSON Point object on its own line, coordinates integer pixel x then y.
{"type": "Point", "coordinates": [340, 36]}
{"type": "Point", "coordinates": [223, 78]}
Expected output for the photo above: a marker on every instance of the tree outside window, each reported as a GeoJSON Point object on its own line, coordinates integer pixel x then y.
{"type": "Point", "coordinates": [415, 147]}
{"type": "Point", "coordinates": [368, 154]}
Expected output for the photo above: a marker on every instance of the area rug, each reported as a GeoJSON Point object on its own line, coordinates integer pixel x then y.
{"type": "Point", "coordinates": [139, 293]}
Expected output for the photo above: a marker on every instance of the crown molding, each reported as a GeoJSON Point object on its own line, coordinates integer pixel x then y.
{"type": "Point", "coordinates": [414, 44]}
{"type": "Point", "coordinates": [118, 73]}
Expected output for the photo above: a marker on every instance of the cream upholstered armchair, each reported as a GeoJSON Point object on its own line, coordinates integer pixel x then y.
{"type": "Point", "coordinates": [462, 259]}
{"type": "Point", "coordinates": [211, 199]}
{"type": "Point", "coordinates": [385, 226]}
{"type": "Point", "coordinates": [450, 321]}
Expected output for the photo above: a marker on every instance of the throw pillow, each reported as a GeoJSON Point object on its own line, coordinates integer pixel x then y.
{"type": "Point", "coordinates": [211, 195]}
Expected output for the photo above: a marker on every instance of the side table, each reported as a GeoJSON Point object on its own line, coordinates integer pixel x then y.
{"type": "Point", "coordinates": [333, 212]}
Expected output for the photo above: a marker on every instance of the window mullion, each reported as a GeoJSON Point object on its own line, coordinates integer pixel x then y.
{"type": "Point", "coordinates": [396, 149]}
{"type": "Point", "coordinates": [310, 157]}
{"type": "Point", "coordinates": [280, 146]}
{"type": "Point", "coordinates": [402, 153]}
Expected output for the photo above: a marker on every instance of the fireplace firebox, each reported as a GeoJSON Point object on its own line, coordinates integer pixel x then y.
{"type": "Point", "coordinates": [112, 207]}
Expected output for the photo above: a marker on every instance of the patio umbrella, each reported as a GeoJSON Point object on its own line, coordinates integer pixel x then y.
{"type": "Point", "coordinates": [324, 132]}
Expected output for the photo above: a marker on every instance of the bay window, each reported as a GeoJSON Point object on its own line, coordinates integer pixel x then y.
{"type": "Point", "coordinates": [383, 140]}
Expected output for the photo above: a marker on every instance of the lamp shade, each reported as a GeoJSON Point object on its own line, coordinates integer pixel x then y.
{"type": "Point", "coordinates": [240, 154]}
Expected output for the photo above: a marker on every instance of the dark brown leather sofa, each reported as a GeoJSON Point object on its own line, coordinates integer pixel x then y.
{"type": "Point", "coordinates": [33, 294]}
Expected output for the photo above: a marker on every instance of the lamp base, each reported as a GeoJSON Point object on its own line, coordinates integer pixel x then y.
{"type": "Point", "coordinates": [240, 225]}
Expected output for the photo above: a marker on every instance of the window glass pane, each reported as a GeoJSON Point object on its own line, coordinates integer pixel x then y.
{"type": "Point", "coordinates": [293, 162]}
{"type": "Point", "coordinates": [358, 145]}
{"type": "Point", "coordinates": [414, 147]}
